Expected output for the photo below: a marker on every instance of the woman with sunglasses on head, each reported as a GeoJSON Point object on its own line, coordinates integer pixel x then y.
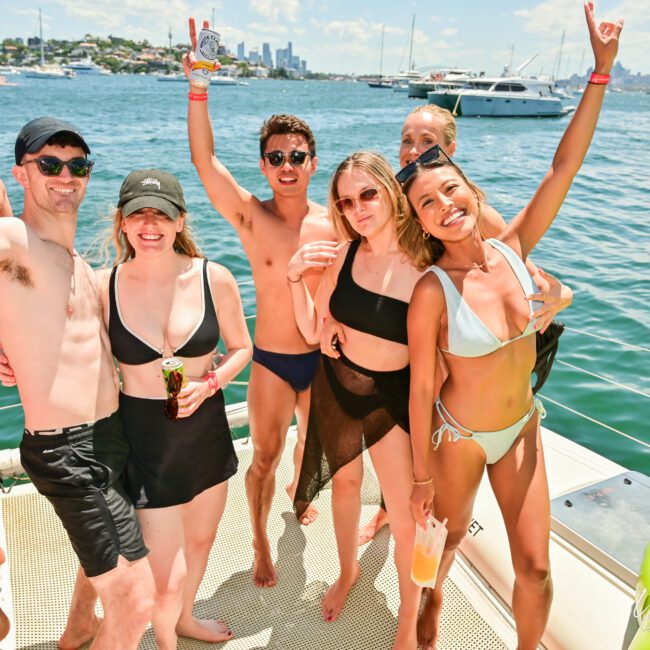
{"type": "Point", "coordinates": [360, 398]}
{"type": "Point", "coordinates": [424, 127]}
{"type": "Point", "coordinates": [471, 306]}
{"type": "Point", "coordinates": [164, 299]}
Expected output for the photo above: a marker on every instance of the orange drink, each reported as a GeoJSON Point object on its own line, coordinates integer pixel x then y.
{"type": "Point", "coordinates": [424, 567]}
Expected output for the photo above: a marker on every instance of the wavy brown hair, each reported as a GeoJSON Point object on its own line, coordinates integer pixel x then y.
{"type": "Point", "coordinates": [184, 242]}
{"type": "Point", "coordinates": [416, 250]}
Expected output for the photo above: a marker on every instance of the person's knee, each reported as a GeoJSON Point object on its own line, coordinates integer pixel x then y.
{"type": "Point", "coordinates": [264, 463]}
{"type": "Point", "coordinates": [199, 545]}
{"type": "Point", "coordinates": [455, 535]}
{"type": "Point", "coordinates": [532, 568]}
{"type": "Point", "coordinates": [345, 485]}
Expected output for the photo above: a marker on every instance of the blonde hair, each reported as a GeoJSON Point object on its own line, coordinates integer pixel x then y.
{"type": "Point", "coordinates": [409, 233]}
{"type": "Point", "coordinates": [448, 121]}
{"type": "Point", "coordinates": [416, 251]}
{"type": "Point", "coordinates": [184, 242]}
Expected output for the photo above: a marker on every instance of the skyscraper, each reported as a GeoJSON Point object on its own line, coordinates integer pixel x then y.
{"type": "Point", "coordinates": [241, 53]}
{"type": "Point", "coordinates": [267, 58]}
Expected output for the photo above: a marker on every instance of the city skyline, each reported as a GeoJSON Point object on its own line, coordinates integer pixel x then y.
{"type": "Point", "coordinates": [345, 37]}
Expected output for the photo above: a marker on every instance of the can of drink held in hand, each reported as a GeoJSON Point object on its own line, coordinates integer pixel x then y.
{"type": "Point", "coordinates": [207, 46]}
{"type": "Point", "coordinates": [174, 375]}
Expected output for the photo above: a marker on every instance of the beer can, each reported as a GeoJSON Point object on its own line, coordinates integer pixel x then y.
{"type": "Point", "coordinates": [172, 367]}
{"type": "Point", "coordinates": [207, 46]}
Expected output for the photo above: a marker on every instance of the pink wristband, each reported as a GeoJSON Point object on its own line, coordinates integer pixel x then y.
{"type": "Point", "coordinates": [599, 79]}
{"type": "Point", "coordinates": [197, 97]}
{"type": "Point", "coordinates": [213, 381]}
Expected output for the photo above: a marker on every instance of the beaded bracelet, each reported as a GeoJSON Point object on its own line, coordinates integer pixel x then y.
{"type": "Point", "coordinates": [213, 381]}
{"type": "Point", "coordinates": [599, 79]}
{"type": "Point", "coordinates": [197, 97]}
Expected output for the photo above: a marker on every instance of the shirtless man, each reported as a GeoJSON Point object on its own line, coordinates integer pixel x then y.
{"type": "Point", "coordinates": [5, 206]}
{"type": "Point", "coordinates": [73, 448]}
{"type": "Point", "coordinates": [270, 231]}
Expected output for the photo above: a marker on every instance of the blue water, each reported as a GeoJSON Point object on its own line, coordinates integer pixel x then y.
{"type": "Point", "coordinates": [599, 244]}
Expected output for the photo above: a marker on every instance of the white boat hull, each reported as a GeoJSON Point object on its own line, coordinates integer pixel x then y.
{"type": "Point", "coordinates": [495, 106]}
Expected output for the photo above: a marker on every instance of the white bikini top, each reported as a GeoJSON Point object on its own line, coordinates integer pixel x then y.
{"type": "Point", "coordinates": [467, 335]}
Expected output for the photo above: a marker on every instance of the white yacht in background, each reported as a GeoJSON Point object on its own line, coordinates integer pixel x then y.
{"type": "Point", "coordinates": [222, 78]}
{"type": "Point", "coordinates": [86, 67]}
{"type": "Point", "coordinates": [175, 76]}
{"type": "Point", "coordinates": [443, 79]}
{"type": "Point", "coordinates": [501, 97]}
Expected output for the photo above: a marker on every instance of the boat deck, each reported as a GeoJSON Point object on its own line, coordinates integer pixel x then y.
{"type": "Point", "coordinates": [43, 567]}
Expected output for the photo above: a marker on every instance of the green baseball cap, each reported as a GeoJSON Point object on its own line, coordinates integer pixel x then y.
{"type": "Point", "coordinates": [151, 188]}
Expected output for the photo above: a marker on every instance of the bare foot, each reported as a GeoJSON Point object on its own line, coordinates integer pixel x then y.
{"type": "Point", "coordinates": [73, 638]}
{"type": "Point", "coordinates": [335, 597]}
{"type": "Point", "coordinates": [428, 628]}
{"type": "Point", "coordinates": [406, 638]}
{"type": "Point", "coordinates": [204, 630]}
{"type": "Point", "coordinates": [310, 515]}
{"type": "Point", "coordinates": [264, 573]}
{"type": "Point", "coordinates": [367, 533]}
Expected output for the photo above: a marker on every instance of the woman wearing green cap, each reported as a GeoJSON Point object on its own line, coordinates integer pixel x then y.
{"type": "Point", "coordinates": [164, 299]}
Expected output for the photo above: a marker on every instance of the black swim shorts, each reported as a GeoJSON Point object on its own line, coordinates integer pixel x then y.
{"type": "Point", "coordinates": [78, 472]}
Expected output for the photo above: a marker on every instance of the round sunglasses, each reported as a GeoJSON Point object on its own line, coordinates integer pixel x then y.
{"type": "Point", "coordinates": [278, 158]}
{"type": "Point", "coordinates": [347, 203]}
{"type": "Point", "coordinates": [53, 166]}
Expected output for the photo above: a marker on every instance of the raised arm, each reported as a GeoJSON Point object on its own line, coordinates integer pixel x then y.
{"type": "Point", "coordinates": [532, 222]}
{"type": "Point", "coordinates": [424, 315]}
{"type": "Point", "coordinates": [231, 200]}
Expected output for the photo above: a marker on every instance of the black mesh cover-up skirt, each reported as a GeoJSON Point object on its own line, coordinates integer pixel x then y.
{"type": "Point", "coordinates": [351, 409]}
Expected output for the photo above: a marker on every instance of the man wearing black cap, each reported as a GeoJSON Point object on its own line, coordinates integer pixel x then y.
{"type": "Point", "coordinates": [73, 448]}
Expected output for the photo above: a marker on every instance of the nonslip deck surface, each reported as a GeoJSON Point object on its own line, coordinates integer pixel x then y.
{"type": "Point", "coordinates": [285, 617]}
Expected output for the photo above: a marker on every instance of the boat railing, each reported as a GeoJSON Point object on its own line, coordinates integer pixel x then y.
{"type": "Point", "coordinates": [237, 413]}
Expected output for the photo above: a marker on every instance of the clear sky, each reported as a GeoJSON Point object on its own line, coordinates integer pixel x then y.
{"type": "Point", "coordinates": [345, 35]}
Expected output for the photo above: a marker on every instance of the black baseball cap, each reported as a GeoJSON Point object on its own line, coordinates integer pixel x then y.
{"type": "Point", "coordinates": [151, 188]}
{"type": "Point", "coordinates": [36, 133]}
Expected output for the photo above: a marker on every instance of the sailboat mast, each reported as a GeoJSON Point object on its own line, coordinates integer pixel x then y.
{"type": "Point", "coordinates": [381, 51]}
{"type": "Point", "coordinates": [559, 56]}
{"type": "Point", "coordinates": [40, 35]}
{"type": "Point", "coordinates": [411, 45]}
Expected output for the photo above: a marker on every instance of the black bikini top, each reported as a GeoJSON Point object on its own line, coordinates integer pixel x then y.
{"type": "Point", "coordinates": [129, 348]}
{"type": "Point", "coordinates": [366, 310]}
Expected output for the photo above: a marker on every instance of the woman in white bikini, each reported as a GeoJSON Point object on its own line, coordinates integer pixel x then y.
{"type": "Point", "coordinates": [472, 308]}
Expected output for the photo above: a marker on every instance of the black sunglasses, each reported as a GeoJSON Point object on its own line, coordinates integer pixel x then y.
{"type": "Point", "coordinates": [174, 385]}
{"type": "Point", "coordinates": [278, 158]}
{"type": "Point", "coordinates": [52, 166]}
{"type": "Point", "coordinates": [428, 156]}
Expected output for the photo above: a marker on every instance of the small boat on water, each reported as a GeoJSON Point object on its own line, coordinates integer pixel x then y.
{"type": "Point", "coordinates": [49, 70]}
{"type": "Point", "coordinates": [4, 83]}
{"type": "Point", "coordinates": [222, 79]}
{"type": "Point", "coordinates": [443, 79]}
{"type": "Point", "coordinates": [86, 67]}
{"type": "Point", "coordinates": [175, 76]}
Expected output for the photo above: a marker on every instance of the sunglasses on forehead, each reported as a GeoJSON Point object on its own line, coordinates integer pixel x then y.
{"type": "Point", "coordinates": [428, 156]}
{"type": "Point", "coordinates": [53, 166]}
{"type": "Point", "coordinates": [278, 158]}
